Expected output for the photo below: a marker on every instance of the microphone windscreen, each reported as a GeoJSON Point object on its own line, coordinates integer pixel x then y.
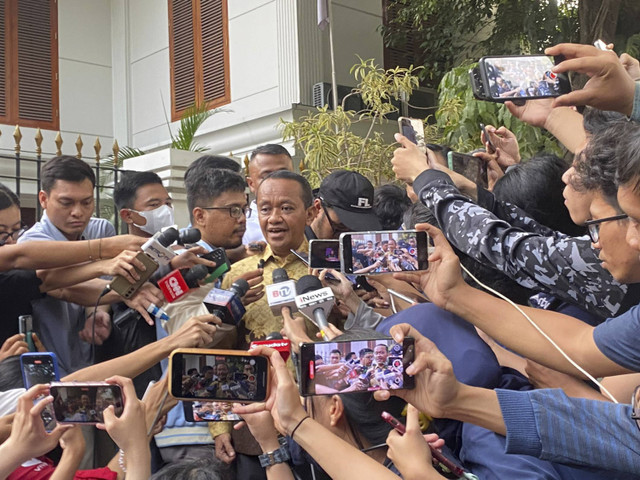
{"type": "Point", "coordinates": [280, 275]}
{"type": "Point", "coordinates": [167, 237]}
{"type": "Point", "coordinates": [274, 336]}
{"type": "Point", "coordinates": [189, 235]}
{"type": "Point", "coordinates": [240, 287]}
{"type": "Point", "coordinates": [195, 273]}
{"type": "Point", "coordinates": [308, 283]}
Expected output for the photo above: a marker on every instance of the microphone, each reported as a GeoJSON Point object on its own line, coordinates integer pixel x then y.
{"type": "Point", "coordinates": [315, 302]}
{"type": "Point", "coordinates": [227, 304]}
{"type": "Point", "coordinates": [175, 285]}
{"type": "Point", "coordinates": [130, 314]}
{"type": "Point", "coordinates": [281, 293]}
{"type": "Point", "coordinates": [274, 340]}
{"type": "Point", "coordinates": [156, 246]}
{"type": "Point", "coordinates": [189, 235]}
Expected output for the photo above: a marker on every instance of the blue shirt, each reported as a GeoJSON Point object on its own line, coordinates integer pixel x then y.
{"type": "Point", "coordinates": [58, 322]}
{"type": "Point", "coordinates": [617, 339]}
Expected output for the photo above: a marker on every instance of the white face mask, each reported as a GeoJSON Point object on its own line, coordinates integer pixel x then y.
{"type": "Point", "coordinates": [157, 219]}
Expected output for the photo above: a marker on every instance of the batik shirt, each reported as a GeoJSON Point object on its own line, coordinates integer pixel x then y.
{"type": "Point", "coordinates": [534, 256]}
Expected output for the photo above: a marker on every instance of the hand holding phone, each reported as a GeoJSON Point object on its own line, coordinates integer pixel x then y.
{"type": "Point", "coordinates": [25, 326]}
{"type": "Point", "coordinates": [85, 403]}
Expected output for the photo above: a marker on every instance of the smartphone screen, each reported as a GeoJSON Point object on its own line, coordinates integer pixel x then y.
{"type": "Point", "coordinates": [207, 411]}
{"type": "Point", "coordinates": [368, 253]}
{"type": "Point", "coordinates": [39, 368]}
{"type": "Point", "coordinates": [523, 77]}
{"type": "Point", "coordinates": [85, 403]}
{"type": "Point", "coordinates": [218, 375]}
{"type": "Point", "coordinates": [469, 166]}
{"type": "Point", "coordinates": [324, 254]}
{"type": "Point", "coordinates": [413, 129]}
{"type": "Point", "coordinates": [355, 366]}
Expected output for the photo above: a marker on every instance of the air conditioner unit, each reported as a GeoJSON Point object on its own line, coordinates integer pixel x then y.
{"type": "Point", "coordinates": [322, 96]}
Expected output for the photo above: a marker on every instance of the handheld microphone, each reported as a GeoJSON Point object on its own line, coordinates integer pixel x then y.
{"type": "Point", "coordinates": [157, 246]}
{"type": "Point", "coordinates": [274, 340]}
{"type": "Point", "coordinates": [227, 304]}
{"type": "Point", "coordinates": [188, 235]}
{"type": "Point", "coordinates": [315, 302]}
{"type": "Point", "coordinates": [175, 285]}
{"type": "Point", "coordinates": [281, 293]}
{"type": "Point", "coordinates": [130, 314]}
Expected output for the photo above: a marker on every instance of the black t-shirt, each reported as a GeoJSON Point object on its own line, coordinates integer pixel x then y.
{"type": "Point", "coordinates": [17, 289]}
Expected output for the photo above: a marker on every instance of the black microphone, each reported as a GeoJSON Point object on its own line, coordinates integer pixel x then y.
{"type": "Point", "coordinates": [314, 301]}
{"type": "Point", "coordinates": [227, 304]}
{"type": "Point", "coordinates": [189, 235]}
{"type": "Point", "coordinates": [274, 336]}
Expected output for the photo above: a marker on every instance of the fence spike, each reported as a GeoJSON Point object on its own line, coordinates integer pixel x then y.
{"type": "Point", "coordinates": [79, 145]}
{"type": "Point", "coordinates": [116, 152]}
{"type": "Point", "coordinates": [38, 139]}
{"type": "Point", "coordinates": [97, 146]}
{"type": "Point", "coordinates": [246, 165]}
{"type": "Point", "coordinates": [17, 135]}
{"type": "Point", "coordinates": [58, 142]}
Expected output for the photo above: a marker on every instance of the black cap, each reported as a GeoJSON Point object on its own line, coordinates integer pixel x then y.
{"type": "Point", "coordinates": [350, 195]}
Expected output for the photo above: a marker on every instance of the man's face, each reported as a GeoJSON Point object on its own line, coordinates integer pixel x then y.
{"type": "Point", "coordinates": [84, 400]}
{"type": "Point", "coordinates": [148, 197]}
{"type": "Point", "coordinates": [577, 202]}
{"type": "Point", "coordinates": [380, 353]}
{"type": "Point", "coordinates": [217, 227]}
{"type": "Point", "coordinates": [326, 224]}
{"type": "Point", "coordinates": [222, 370]}
{"type": "Point", "coordinates": [615, 253]}
{"type": "Point", "coordinates": [263, 164]}
{"type": "Point", "coordinates": [69, 206]}
{"type": "Point", "coordinates": [629, 201]}
{"type": "Point", "coordinates": [334, 358]}
{"type": "Point", "coordinates": [367, 359]}
{"type": "Point", "coordinates": [282, 214]}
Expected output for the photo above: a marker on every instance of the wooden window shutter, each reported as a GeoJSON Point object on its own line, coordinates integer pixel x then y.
{"type": "Point", "coordinates": [401, 55]}
{"type": "Point", "coordinates": [29, 63]}
{"type": "Point", "coordinates": [199, 54]}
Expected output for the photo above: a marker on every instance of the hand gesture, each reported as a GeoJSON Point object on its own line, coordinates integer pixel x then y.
{"type": "Point", "coordinates": [408, 161]}
{"type": "Point", "coordinates": [197, 332]}
{"type": "Point", "coordinates": [97, 328]}
{"type": "Point", "coordinates": [190, 258]}
{"type": "Point", "coordinates": [145, 296]}
{"type": "Point", "coordinates": [506, 144]}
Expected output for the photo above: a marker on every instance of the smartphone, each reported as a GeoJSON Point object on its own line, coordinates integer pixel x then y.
{"type": "Point", "coordinates": [355, 366]}
{"type": "Point", "coordinates": [218, 375]}
{"type": "Point", "coordinates": [600, 45]}
{"type": "Point", "coordinates": [369, 253]}
{"type": "Point", "coordinates": [470, 167]}
{"type": "Point", "coordinates": [39, 368]}
{"type": "Point", "coordinates": [440, 461]}
{"type": "Point", "coordinates": [477, 85]}
{"type": "Point", "coordinates": [223, 264]}
{"type": "Point", "coordinates": [208, 411]}
{"type": "Point", "coordinates": [124, 287]}
{"type": "Point", "coordinates": [302, 256]}
{"type": "Point", "coordinates": [527, 77]}
{"type": "Point", "coordinates": [413, 129]}
{"type": "Point", "coordinates": [492, 147]}
{"type": "Point", "coordinates": [85, 402]}
{"type": "Point", "coordinates": [25, 326]}
{"type": "Point", "coordinates": [324, 254]}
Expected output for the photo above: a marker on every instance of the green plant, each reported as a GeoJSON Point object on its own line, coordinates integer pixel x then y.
{"type": "Point", "coordinates": [344, 139]}
{"type": "Point", "coordinates": [460, 113]}
{"type": "Point", "coordinates": [190, 122]}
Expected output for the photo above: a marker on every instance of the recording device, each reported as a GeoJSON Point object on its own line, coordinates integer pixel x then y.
{"type": "Point", "coordinates": [473, 168]}
{"type": "Point", "coordinates": [413, 129]}
{"type": "Point", "coordinates": [85, 403]}
{"type": "Point", "coordinates": [274, 340]}
{"type": "Point", "coordinates": [492, 147]}
{"type": "Point", "coordinates": [281, 293]}
{"type": "Point", "coordinates": [129, 314]}
{"type": "Point", "coordinates": [223, 265]}
{"type": "Point", "coordinates": [324, 254]}
{"type": "Point", "coordinates": [440, 461]}
{"type": "Point", "coordinates": [369, 253]}
{"type": "Point", "coordinates": [209, 412]}
{"type": "Point", "coordinates": [377, 364]}
{"type": "Point", "coordinates": [25, 326]}
{"type": "Point", "coordinates": [154, 253]}
{"type": "Point", "coordinates": [502, 78]}
{"type": "Point", "coordinates": [177, 284]}
{"type": "Point", "coordinates": [314, 301]}
{"type": "Point", "coordinates": [227, 304]}
{"type": "Point", "coordinates": [222, 375]}
{"type": "Point", "coordinates": [39, 368]}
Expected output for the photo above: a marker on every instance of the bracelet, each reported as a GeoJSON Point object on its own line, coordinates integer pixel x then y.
{"type": "Point", "coordinates": [121, 461]}
{"type": "Point", "coordinates": [280, 455]}
{"type": "Point", "coordinates": [100, 249]}
{"type": "Point", "coordinates": [90, 255]}
{"type": "Point", "coordinates": [298, 425]}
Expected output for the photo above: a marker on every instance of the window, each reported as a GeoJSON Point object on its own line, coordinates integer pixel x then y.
{"type": "Point", "coordinates": [29, 63]}
{"type": "Point", "coordinates": [405, 54]}
{"type": "Point", "coordinates": [199, 54]}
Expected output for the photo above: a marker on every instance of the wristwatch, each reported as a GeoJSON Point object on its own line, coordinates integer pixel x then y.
{"type": "Point", "coordinates": [274, 457]}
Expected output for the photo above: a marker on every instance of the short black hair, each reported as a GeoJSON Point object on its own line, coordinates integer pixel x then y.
{"type": "Point", "coordinates": [209, 184]}
{"type": "Point", "coordinates": [628, 155]}
{"type": "Point", "coordinates": [389, 204]}
{"type": "Point", "coordinates": [335, 350]}
{"type": "Point", "coordinates": [595, 120]}
{"type": "Point", "coordinates": [8, 198]}
{"type": "Point", "coordinates": [126, 189]}
{"type": "Point", "coordinates": [364, 351]}
{"type": "Point", "coordinates": [269, 149]}
{"type": "Point", "coordinates": [214, 162]}
{"type": "Point", "coordinates": [67, 168]}
{"type": "Point", "coordinates": [307, 193]}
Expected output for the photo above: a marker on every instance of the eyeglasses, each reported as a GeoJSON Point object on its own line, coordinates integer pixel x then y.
{"type": "Point", "coordinates": [234, 212]}
{"type": "Point", "coordinates": [336, 227]}
{"type": "Point", "coordinates": [594, 225]}
{"type": "Point", "coordinates": [15, 235]}
{"type": "Point", "coordinates": [635, 408]}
